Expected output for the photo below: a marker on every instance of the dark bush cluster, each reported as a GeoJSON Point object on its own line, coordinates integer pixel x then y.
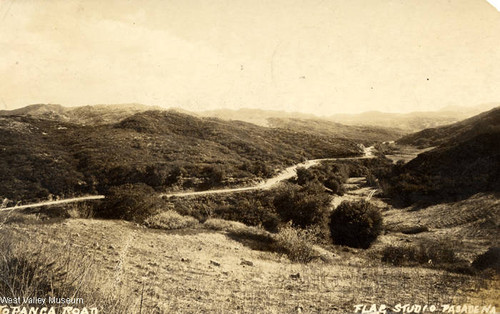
{"type": "Point", "coordinates": [330, 175]}
{"type": "Point", "coordinates": [355, 224]}
{"type": "Point", "coordinates": [250, 212]}
{"type": "Point", "coordinates": [133, 202]}
{"type": "Point", "coordinates": [302, 205]}
{"type": "Point", "coordinates": [489, 259]}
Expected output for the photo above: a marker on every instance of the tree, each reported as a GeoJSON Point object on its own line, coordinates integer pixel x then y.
{"type": "Point", "coordinates": [134, 202]}
{"type": "Point", "coordinates": [303, 206]}
{"type": "Point", "coordinates": [355, 224]}
{"type": "Point", "coordinates": [305, 175]}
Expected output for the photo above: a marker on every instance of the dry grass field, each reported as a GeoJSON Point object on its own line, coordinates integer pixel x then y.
{"type": "Point", "coordinates": [217, 268]}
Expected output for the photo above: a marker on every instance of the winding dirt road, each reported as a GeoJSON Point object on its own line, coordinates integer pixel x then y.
{"type": "Point", "coordinates": [286, 174]}
{"type": "Point", "coordinates": [63, 201]}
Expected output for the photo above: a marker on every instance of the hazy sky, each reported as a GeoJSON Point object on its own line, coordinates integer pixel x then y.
{"type": "Point", "coordinates": [318, 56]}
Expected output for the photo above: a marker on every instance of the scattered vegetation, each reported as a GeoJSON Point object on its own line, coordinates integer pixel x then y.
{"type": "Point", "coordinates": [447, 173]}
{"type": "Point", "coordinates": [466, 162]}
{"type": "Point", "coordinates": [305, 202]}
{"type": "Point", "coordinates": [163, 149]}
{"type": "Point", "coordinates": [170, 220]}
{"type": "Point", "coordinates": [296, 243]}
{"type": "Point", "coordinates": [355, 224]}
{"type": "Point", "coordinates": [428, 253]}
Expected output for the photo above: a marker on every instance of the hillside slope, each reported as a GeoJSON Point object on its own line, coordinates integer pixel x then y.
{"type": "Point", "coordinates": [483, 123]}
{"type": "Point", "coordinates": [362, 134]}
{"type": "Point", "coordinates": [164, 149]}
{"type": "Point", "coordinates": [466, 161]}
{"type": "Point", "coordinates": [453, 171]}
{"type": "Point", "coordinates": [413, 121]}
{"type": "Point", "coordinates": [86, 115]}
{"type": "Point", "coordinates": [203, 271]}
{"type": "Point", "coordinates": [295, 122]}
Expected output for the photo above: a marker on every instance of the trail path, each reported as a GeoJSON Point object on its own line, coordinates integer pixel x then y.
{"type": "Point", "coordinates": [63, 201]}
{"type": "Point", "coordinates": [286, 174]}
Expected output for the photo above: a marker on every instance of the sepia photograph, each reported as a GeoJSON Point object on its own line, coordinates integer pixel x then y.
{"type": "Point", "coordinates": [249, 156]}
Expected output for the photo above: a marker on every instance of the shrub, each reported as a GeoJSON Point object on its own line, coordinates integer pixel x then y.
{"type": "Point", "coordinates": [305, 175]}
{"type": "Point", "coordinates": [371, 180]}
{"type": "Point", "coordinates": [399, 255]}
{"type": "Point", "coordinates": [489, 259]}
{"type": "Point", "coordinates": [134, 202]}
{"type": "Point", "coordinates": [250, 212]}
{"type": "Point", "coordinates": [200, 208]}
{"type": "Point", "coordinates": [170, 220]}
{"type": "Point", "coordinates": [331, 176]}
{"type": "Point", "coordinates": [224, 225]}
{"type": "Point", "coordinates": [355, 224]}
{"type": "Point", "coordinates": [435, 254]}
{"type": "Point", "coordinates": [295, 243]}
{"type": "Point", "coordinates": [335, 185]}
{"type": "Point", "coordinates": [303, 206]}
{"type": "Point", "coordinates": [213, 176]}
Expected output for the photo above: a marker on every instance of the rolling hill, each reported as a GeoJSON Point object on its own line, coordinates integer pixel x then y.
{"type": "Point", "coordinates": [255, 116]}
{"type": "Point", "coordinates": [362, 134]}
{"type": "Point", "coordinates": [466, 161]}
{"type": "Point", "coordinates": [86, 115]}
{"type": "Point", "coordinates": [483, 123]}
{"type": "Point", "coordinates": [164, 149]}
{"type": "Point", "coordinates": [413, 121]}
{"type": "Point", "coordinates": [375, 124]}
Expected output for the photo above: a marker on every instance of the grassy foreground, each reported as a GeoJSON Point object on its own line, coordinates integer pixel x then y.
{"type": "Point", "coordinates": [123, 267]}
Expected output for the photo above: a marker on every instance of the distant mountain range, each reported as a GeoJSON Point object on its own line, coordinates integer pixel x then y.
{"type": "Point", "coordinates": [405, 122]}
{"type": "Point", "coordinates": [91, 115]}
{"type": "Point", "coordinates": [293, 122]}
{"type": "Point", "coordinates": [413, 121]}
{"type": "Point", "coordinates": [255, 116]}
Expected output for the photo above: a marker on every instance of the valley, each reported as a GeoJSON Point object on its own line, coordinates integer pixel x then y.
{"type": "Point", "coordinates": [274, 157]}
{"type": "Point", "coordinates": [163, 212]}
